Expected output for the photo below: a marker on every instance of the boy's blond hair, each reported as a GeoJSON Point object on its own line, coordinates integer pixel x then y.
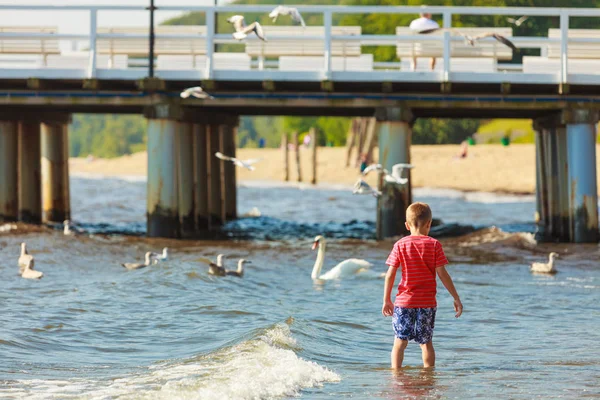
{"type": "Point", "coordinates": [418, 214]}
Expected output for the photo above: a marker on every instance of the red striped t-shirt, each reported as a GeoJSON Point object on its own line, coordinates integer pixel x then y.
{"type": "Point", "coordinates": [419, 256]}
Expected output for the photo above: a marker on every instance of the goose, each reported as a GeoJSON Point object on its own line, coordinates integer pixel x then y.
{"type": "Point", "coordinates": [362, 187]}
{"type": "Point", "coordinates": [242, 30]}
{"type": "Point", "coordinates": [545, 268]}
{"type": "Point", "coordinates": [346, 268]}
{"type": "Point", "coordinates": [217, 268]}
{"type": "Point", "coordinates": [237, 162]}
{"type": "Point", "coordinates": [157, 257]}
{"type": "Point", "coordinates": [240, 269]}
{"type": "Point", "coordinates": [25, 258]}
{"type": "Point", "coordinates": [29, 273]}
{"type": "Point", "coordinates": [196, 92]}
{"type": "Point", "coordinates": [518, 21]}
{"type": "Point", "coordinates": [291, 11]}
{"type": "Point", "coordinates": [470, 40]}
{"type": "Point", "coordinates": [132, 266]}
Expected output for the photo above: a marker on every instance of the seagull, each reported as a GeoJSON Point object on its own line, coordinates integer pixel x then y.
{"type": "Point", "coordinates": [239, 163]}
{"type": "Point", "coordinates": [214, 269]}
{"type": "Point", "coordinates": [362, 187]}
{"type": "Point", "coordinates": [470, 40]}
{"type": "Point", "coordinates": [242, 30]}
{"type": "Point", "coordinates": [519, 21]}
{"type": "Point", "coordinates": [29, 273]}
{"type": "Point", "coordinates": [147, 262]}
{"type": "Point", "coordinates": [545, 268]}
{"type": "Point", "coordinates": [67, 231]}
{"type": "Point", "coordinates": [7, 227]}
{"type": "Point", "coordinates": [156, 257]}
{"type": "Point", "coordinates": [25, 258]}
{"type": "Point", "coordinates": [291, 11]}
{"type": "Point", "coordinates": [389, 178]}
{"type": "Point", "coordinates": [196, 92]}
{"type": "Point", "coordinates": [240, 269]}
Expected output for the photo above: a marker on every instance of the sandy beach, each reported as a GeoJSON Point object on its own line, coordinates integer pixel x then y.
{"type": "Point", "coordinates": [489, 168]}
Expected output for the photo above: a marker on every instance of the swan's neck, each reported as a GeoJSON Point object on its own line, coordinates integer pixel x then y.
{"type": "Point", "coordinates": [23, 250]}
{"type": "Point", "coordinates": [148, 261]}
{"type": "Point", "coordinates": [240, 268]}
{"type": "Point", "coordinates": [165, 254]}
{"type": "Point", "coordinates": [319, 261]}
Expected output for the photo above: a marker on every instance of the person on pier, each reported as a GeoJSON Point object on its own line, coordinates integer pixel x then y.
{"type": "Point", "coordinates": [423, 23]}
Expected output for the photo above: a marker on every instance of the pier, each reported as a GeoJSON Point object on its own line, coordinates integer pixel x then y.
{"type": "Point", "coordinates": [317, 71]}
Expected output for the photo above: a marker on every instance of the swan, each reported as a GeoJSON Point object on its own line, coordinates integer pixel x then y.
{"type": "Point", "coordinates": [545, 268]}
{"type": "Point", "coordinates": [240, 269]}
{"type": "Point", "coordinates": [157, 257]}
{"type": "Point", "coordinates": [346, 268]}
{"type": "Point", "coordinates": [29, 272]}
{"type": "Point", "coordinates": [25, 258]}
{"type": "Point", "coordinates": [147, 262]}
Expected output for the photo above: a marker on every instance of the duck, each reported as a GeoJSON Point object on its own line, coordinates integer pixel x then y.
{"type": "Point", "coordinates": [29, 273]}
{"type": "Point", "coordinates": [240, 269]}
{"type": "Point", "coordinates": [345, 268]}
{"type": "Point", "coordinates": [545, 268]}
{"type": "Point", "coordinates": [132, 266]}
{"type": "Point", "coordinates": [157, 257]}
{"type": "Point", "coordinates": [25, 258]}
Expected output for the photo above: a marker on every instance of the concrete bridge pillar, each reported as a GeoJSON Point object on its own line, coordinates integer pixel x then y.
{"type": "Point", "coordinates": [56, 205]}
{"type": "Point", "coordinates": [215, 198]}
{"type": "Point", "coordinates": [582, 186]}
{"type": "Point", "coordinates": [394, 128]}
{"type": "Point", "coordinates": [9, 195]}
{"type": "Point", "coordinates": [228, 179]}
{"type": "Point", "coordinates": [200, 160]}
{"type": "Point", "coordinates": [30, 175]}
{"type": "Point", "coordinates": [186, 180]}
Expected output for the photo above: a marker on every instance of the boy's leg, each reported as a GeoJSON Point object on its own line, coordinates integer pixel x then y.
{"type": "Point", "coordinates": [428, 353]}
{"type": "Point", "coordinates": [398, 352]}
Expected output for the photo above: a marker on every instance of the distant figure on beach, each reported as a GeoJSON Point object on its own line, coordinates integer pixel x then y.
{"type": "Point", "coordinates": [413, 313]}
{"type": "Point", "coordinates": [306, 140]}
{"type": "Point", "coordinates": [261, 143]}
{"type": "Point", "coordinates": [422, 24]}
{"type": "Point", "coordinates": [464, 149]}
{"type": "Point", "coordinates": [363, 163]}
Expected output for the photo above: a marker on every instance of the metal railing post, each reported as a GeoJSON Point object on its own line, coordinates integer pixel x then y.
{"type": "Point", "coordinates": [91, 72]}
{"type": "Point", "coordinates": [210, 45]}
{"type": "Point", "coordinates": [447, 43]}
{"type": "Point", "coordinates": [327, 21]}
{"type": "Point", "coordinates": [564, 46]}
{"type": "Point", "coordinates": [151, 41]}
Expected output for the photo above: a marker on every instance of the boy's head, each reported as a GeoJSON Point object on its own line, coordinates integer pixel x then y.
{"type": "Point", "coordinates": [418, 218]}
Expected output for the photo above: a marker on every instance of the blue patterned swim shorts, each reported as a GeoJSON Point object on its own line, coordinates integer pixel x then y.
{"type": "Point", "coordinates": [414, 323]}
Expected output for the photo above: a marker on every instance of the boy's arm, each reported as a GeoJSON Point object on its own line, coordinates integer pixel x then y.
{"type": "Point", "coordinates": [447, 281]}
{"type": "Point", "coordinates": [388, 306]}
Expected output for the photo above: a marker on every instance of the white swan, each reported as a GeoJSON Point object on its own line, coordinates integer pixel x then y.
{"type": "Point", "coordinates": [545, 268]}
{"type": "Point", "coordinates": [346, 268]}
{"type": "Point", "coordinates": [147, 262]}
{"type": "Point", "coordinates": [24, 259]}
{"type": "Point", "coordinates": [29, 272]}
{"type": "Point", "coordinates": [156, 257]}
{"type": "Point", "coordinates": [240, 269]}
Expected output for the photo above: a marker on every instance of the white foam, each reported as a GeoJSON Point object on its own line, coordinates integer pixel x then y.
{"type": "Point", "coordinates": [473, 197]}
{"type": "Point", "coordinates": [96, 176]}
{"type": "Point", "coordinates": [261, 368]}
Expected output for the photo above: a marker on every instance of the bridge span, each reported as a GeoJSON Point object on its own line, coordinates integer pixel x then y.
{"type": "Point", "coordinates": [46, 75]}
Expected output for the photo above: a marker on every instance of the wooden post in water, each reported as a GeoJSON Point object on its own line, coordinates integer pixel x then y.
{"type": "Point", "coordinates": [286, 161]}
{"type": "Point", "coordinates": [350, 139]}
{"type": "Point", "coordinates": [297, 145]}
{"type": "Point", "coordinates": [314, 142]}
{"type": "Point", "coordinates": [362, 133]}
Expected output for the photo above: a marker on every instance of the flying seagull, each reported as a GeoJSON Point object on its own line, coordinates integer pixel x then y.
{"type": "Point", "coordinates": [472, 39]}
{"type": "Point", "coordinates": [362, 187]}
{"type": "Point", "coordinates": [238, 163]}
{"type": "Point", "coordinates": [291, 11]}
{"type": "Point", "coordinates": [242, 30]}
{"type": "Point", "coordinates": [389, 178]}
{"type": "Point", "coordinates": [519, 21]}
{"type": "Point", "coordinates": [196, 92]}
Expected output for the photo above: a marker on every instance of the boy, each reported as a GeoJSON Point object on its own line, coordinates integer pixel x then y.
{"type": "Point", "coordinates": [421, 257]}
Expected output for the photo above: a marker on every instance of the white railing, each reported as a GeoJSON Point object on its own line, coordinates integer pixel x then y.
{"type": "Point", "coordinates": [328, 13]}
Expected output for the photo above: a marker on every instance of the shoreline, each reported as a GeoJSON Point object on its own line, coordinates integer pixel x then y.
{"type": "Point", "coordinates": [488, 168]}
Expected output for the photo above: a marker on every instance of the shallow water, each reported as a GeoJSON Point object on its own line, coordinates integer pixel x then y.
{"type": "Point", "coordinates": [90, 329]}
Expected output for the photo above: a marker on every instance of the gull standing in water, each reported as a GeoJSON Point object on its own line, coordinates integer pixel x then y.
{"type": "Point", "coordinates": [238, 163]}
{"type": "Point", "coordinates": [25, 258]}
{"type": "Point", "coordinates": [240, 269]}
{"type": "Point", "coordinates": [362, 187]}
{"type": "Point", "coordinates": [291, 11]}
{"type": "Point", "coordinates": [157, 257]}
{"type": "Point", "coordinates": [196, 92]}
{"type": "Point", "coordinates": [545, 268]}
{"type": "Point", "coordinates": [242, 30]}
{"type": "Point", "coordinates": [29, 273]}
{"type": "Point", "coordinates": [68, 229]}
{"type": "Point", "coordinates": [132, 266]}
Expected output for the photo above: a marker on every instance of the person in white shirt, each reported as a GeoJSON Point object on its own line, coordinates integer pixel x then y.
{"type": "Point", "coordinates": [421, 24]}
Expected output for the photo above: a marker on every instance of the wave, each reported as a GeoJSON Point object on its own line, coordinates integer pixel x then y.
{"type": "Point", "coordinates": [265, 366]}
{"type": "Point", "coordinates": [498, 237]}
